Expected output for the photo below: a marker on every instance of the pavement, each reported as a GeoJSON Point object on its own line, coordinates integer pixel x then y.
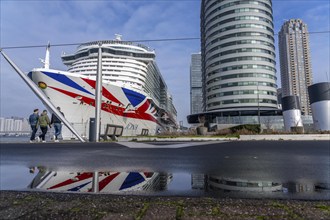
{"type": "Point", "coordinates": [40, 205]}
{"type": "Point", "coordinates": [276, 137]}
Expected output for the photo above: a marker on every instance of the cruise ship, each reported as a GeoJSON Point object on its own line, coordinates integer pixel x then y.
{"type": "Point", "coordinates": [103, 182]}
{"type": "Point", "coordinates": [135, 97]}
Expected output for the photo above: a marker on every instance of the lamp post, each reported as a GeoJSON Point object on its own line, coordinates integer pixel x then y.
{"type": "Point", "coordinates": [98, 94]}
{"type": "Point", "coordinates": [95, 182]}
{"type": "Point", "coordinates": [258, 103]}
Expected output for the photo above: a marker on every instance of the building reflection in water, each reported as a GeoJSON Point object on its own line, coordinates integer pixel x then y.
{"type": "Point", "coordinates": [219, 183]}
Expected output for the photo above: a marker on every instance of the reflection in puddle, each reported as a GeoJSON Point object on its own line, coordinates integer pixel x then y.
{"type": "Point", "coordinates": [218, 183]}
{"type": "Point", "coordinates": [228, 184]}
{"type": "Point", "coordinates": [107, 182]}
{"type": "Point", "coordinates": [159, 183]}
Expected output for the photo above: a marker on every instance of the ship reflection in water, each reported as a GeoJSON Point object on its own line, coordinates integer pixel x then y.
{"type": "Point", "coordinates": [105, 182]}
{"type": "Point", "coordinates": [161, 183]}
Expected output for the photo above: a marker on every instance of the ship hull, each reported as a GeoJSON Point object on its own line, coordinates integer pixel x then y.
{"type": "Point", "coordinates": [131, 112]}
{"type": "Point", "coordinates": [108, 182]}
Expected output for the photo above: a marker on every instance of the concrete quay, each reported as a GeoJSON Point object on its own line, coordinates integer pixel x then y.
{"type": "Point", "coordinates": [272, 137]}
{"type": "Point", "coordinates": [286, 137]}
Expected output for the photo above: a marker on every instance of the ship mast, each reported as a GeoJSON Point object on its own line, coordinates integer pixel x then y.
{"type": "Point", "coordinates": [46, 62]}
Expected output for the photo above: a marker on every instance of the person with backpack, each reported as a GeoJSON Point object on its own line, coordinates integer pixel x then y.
{"type": "Point", "coordinates": [33, 121]}
{"type": "Point", "coordinates": [57, 124]}
{"type": "Point", "coordinates": [44, 122]}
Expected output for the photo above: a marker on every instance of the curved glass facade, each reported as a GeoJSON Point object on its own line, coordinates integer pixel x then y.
{"type": "Point", "coordinates": [238, 54]}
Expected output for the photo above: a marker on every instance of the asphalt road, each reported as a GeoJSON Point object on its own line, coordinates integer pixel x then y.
{"type": "Point", "coordinates": [262, 160]}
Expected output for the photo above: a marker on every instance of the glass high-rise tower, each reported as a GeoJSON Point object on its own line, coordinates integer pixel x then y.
{"type": "Point", "coordinates": [196, 84]}
{"type": "Point", "coordinates": [296, 69]}
{"type": "Point", "coordinates": [238, 55]}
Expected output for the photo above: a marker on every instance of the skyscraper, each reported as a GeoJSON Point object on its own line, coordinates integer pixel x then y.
{"type": "Point", "coordinates": [295, 61]}
{"type": "Point", "coordinates": [196, 84]}
{"type": "Point", "coordinates": [238, 55]}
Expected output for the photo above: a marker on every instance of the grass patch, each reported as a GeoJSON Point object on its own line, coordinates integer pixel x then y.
{"type": "Point", "coordinates": [261, 217]}
{"type": "Point", "coordinates": [279, 205]}
{"type": "Point", "coordinates": [290, 212]}
{"type": "Point", "coordinates": [215, 211]}
{"type": "Point", "coordinates": [75, 209]}
{"type": "Point", "coordinates": [179, 210]}
{"type": "Point", "coordinates": [29, 198]}
{"type": "Point", "coordinates": [142, 211]}
{"type": "Point", "coordinates": [323, 207]}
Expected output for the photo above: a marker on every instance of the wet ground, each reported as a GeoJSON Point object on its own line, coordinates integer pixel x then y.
{"type": "Point", "coordinates": [251, 169]}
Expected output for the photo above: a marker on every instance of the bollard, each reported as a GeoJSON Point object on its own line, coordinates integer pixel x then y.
{"type": "Point", "coordinates": [92, 136]}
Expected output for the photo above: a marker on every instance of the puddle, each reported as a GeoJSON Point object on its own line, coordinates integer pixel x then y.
{"type": "Point", "coordinates": [15, 177]}
{"type": "Point", "coordinates": [156, 183]}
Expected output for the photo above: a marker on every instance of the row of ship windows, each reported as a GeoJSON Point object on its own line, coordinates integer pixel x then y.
{"type": "Point", "coordinates": [126, 82]}
{"type": "Point", "coordinates": [95, 66]}
{"type": "Point", "coordinates": [107, 74]}
{"type": "Point", "coordinates": [128, 48]}
{"type": "Point", "coordinates": [238, 26]}
{"type": "Point", "coordinates": [241, 92]}
{"type": "Point", "coordinates": [114, 75]}
{"type": "Point", "coordinates": [242, 101]}
{"type": "Point", "coordinates": [239, 67]}
{"type": "Point", "coordinates": [243, 10]}
{"type": "Point", "coordinates": [235, 84]}
{"type": "Point", "coordinates": [88, 60]}
{"type": "Point", "coordinates": [242, 34]}
{"type": "Point", "coordinates": [240, 59]}
{"type": "Point", "coordinates": [242, 75]}
{"type": "Point", "coordinates": [135, 78]}
{"type": "Point", "coordinates": [255, 18]}
{"type": "Point", "coordinates": [239, 42]}
{"type": "Point", "coordinates": [111, 59]}
{"type": "Point", "coordinates": [131, 54]}
{"type": "Point", "coordinates": [104, 60]}
{"type": "Point", "coordinates": [233, 4]}
{"type": "Point", "coordinates": [107, 50]}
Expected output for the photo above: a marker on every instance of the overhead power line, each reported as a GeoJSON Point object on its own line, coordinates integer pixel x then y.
{"type": "Point", "coordinates": [134, 41]}
{"type": "Point", "coordinates": [76, 44]}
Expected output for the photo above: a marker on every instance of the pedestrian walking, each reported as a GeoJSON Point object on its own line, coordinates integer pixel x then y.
{"type": "Point", "coordinates": [44, 122]}
{"type": "Point", "coordinates": [33, 121]}
{"type": "Point", "coordinates": [57, 124]}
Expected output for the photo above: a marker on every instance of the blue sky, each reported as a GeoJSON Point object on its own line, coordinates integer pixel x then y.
{"type": "Point", "coordinates": [37, 22]}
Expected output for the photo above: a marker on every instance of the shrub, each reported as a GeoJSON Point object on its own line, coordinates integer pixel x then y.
{"type": "Point", "coordinates": [246, 129]}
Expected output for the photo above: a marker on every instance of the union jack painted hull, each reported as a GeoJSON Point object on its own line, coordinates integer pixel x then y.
{"type": "Point", "coordinates": [107, 181]}
{"type": "Point", "coordinates": [131, 110]}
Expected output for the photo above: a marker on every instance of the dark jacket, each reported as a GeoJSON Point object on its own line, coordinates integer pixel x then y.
{"type": "Point", "coordinates": [55, 119]}
{"type": "Point", "coordinates": [43, 120]}
{"type": "Point", "coordinates": [33, 119]}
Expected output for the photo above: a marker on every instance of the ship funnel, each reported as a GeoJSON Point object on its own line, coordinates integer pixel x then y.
{"type": "Point", "coordinates": [118, 37]}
